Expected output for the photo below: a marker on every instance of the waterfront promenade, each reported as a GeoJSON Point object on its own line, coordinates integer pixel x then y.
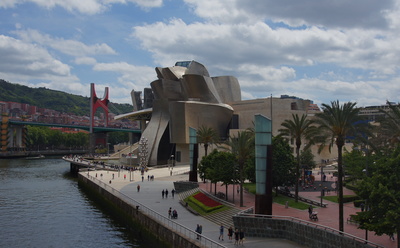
{"type": "Point", "coordinates": [150, 196]}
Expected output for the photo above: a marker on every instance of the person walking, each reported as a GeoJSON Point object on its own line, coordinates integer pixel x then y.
{"type": "Point", "coordinates": [241, 237]}
{"type": "Point", "coordinates": [166, 193]}
{"type": "Point", "coordinates": [138, 188]}
{"type": "Point", "coordinates": [173, 192]}
{"type": "Point", "coordinates": [162, 193]}
{"type": "Point", "coordinates": [198, 231]}
{"type": "Point", "coordinates": [169, 213]}
{"type": "Point", "coordinates": [230, 233]}
{"type": "Point", "coordinates": [236, 236]}
{"type": "Point", "coordinates": [221, 232]}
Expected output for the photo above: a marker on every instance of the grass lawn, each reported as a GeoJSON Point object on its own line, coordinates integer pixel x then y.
{"type": "Point", "coordinates": [280, 199]}
{"type": "Point", "coordinates": [334, 198]}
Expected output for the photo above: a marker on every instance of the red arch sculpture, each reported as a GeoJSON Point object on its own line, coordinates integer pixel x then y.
{"type": "Point", "coordinates": [96, 103]}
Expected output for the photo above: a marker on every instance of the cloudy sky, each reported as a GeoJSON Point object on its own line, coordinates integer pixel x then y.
{"type": "Point", "coordinates": [321, 50]}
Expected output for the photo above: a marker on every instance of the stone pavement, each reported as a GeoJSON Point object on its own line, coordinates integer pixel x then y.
{"type": "Point", "coordinates": [150, 196]}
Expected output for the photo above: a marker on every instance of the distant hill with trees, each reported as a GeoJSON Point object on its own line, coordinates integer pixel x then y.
{"type": "Point", "coordinates": [52, 99]}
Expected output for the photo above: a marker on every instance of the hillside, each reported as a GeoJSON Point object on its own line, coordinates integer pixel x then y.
{"type": "Point", "coordinates": [51, 99]}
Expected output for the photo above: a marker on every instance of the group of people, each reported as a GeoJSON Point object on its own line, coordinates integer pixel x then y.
{"type": "Point", "coordinates": [165, 193]}
{"type": "Point", "coordinates": [237, 234]}
{"type": "Point", "coordinates": [172, 213]}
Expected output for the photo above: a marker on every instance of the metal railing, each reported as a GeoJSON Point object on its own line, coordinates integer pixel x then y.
{"type": "Point", "coordinates": [308, 223]}
{"type": "Point", "coordinates": [173, 225]}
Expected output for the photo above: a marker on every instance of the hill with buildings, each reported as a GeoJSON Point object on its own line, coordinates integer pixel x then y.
{"type": "Point", "coordinates": [52, 99]}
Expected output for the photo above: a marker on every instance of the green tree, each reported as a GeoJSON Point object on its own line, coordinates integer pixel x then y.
{"type": "Point", "coordinates": [219, 166]}
{"type": "Point", "coordinates": [381, 190]}
{"type": "Point", "coordinates": [307, 159]}
{"type": "Point", "coordinates": [336, 122]}
{"type": "Point", "coordinates": [299, 129]}
{"type": "Point", "coordinates": [284, 163]}
{"type": "Point", "coordinates": [355, 162]}
{"type": "Point", "coordinates": [242, 146]}
{"type": "Point", "coordinates": [206, 136]}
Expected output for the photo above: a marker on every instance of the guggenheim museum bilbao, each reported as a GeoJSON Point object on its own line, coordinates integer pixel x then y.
{"type": "Point", "coordinates": [185, 95]}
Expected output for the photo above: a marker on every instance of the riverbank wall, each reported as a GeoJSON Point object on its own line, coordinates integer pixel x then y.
{"type": "Point", "coordinates": [135, 215]}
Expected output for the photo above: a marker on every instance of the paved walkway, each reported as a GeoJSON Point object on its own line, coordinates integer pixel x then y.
{"type": "Point", "coordinates": [150, 196]}
{"type": "Point", "coordinates": [328, 216]}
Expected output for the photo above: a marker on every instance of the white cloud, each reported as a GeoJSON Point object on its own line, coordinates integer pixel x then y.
{"type": "Point", "coordinates": [138, 77]}
{"type": "Point", "coordinates": [88, 7]}
{"type": "Point", "coordinates": [85, 61]}
{"type": "Point", "coordinates": [69, 47]}
{"type": "Point", "coordinates": [19, 57]}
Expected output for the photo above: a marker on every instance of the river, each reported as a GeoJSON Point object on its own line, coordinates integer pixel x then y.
{"type": "Point", "coordinates": [41, 206]}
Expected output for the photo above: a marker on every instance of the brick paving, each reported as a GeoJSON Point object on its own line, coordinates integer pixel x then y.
{"type": "Point", "coordinates": [328, 216]}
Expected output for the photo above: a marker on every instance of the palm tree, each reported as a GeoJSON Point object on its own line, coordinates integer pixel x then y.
{"type": "Point", "coordinates": [336, 122]}
{"type": "Point", "coordinates": [242, 146]}
{"type": "Point", "coordinates": [207, 136]}
{"type": "Point", "coordinates": [299, 129]}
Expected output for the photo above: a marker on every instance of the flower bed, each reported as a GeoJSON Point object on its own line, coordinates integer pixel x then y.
{"type": "Point", "coordinates": [204, 202]}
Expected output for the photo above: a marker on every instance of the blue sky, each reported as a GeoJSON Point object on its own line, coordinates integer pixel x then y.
{"type": "Point", "coordinates": [319, 50]}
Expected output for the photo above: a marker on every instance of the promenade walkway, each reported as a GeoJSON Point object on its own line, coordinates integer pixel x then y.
{"type": "Point", "coordinates": [150, 195]}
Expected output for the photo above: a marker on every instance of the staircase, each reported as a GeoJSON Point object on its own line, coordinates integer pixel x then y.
{"type": "Point", "coordinates": [126, 150]}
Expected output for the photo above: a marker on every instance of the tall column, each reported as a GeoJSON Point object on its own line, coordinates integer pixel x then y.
{"type": "Point", "coordinates": [263, 141]}
{"type": "Point", "coordinates": [193, 150]}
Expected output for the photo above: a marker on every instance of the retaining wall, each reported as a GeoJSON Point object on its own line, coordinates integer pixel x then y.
{"type": "Point", "coordinates": [300, 233]}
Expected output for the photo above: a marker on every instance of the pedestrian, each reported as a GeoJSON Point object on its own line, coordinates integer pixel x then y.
{"type": "Point", "coordinates": [124, 176]}
{"type": "Point", "coordinates": [221, 232]}
{"type": "Point", "coordinates": [230, 232]}
{"type": "Point", "coordinates": [138, 188]}
{"type": "Point", "coordinates": [310, 210]}
{"type": "Point", "coordinates": [198, 231]}
{"type": "Point", "coordinates": [391, 236]}
{"type": "Point", "coordinates": [173, 192]}
{"type": "Point", "coordinates": [362, 207]}
{"type": "Point", "coordinates": [142, 178]}
{"type": "Point", "coordinates": [236, 236]}
{"type": "Point", "coordinates": [162, 193]}
{"type": "Point", "coordinates": [110, 181]}
{"type": "Point", "coordinates": [166, 193]}
{"type": "Point", "coordinates": [113, 175]}
{"type": "Point", "coordinates": [241, 237]}
{"type": "Point", "coordinates": [148, 177]}
{"type": "Point", "coordinates": [169, 213]}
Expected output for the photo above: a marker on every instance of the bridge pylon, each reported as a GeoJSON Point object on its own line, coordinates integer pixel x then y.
{"type": "Point", "coordinates": [96, 103]}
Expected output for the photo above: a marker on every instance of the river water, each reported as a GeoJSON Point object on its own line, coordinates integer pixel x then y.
{"type": "Point", "coordinates": [41, 206]}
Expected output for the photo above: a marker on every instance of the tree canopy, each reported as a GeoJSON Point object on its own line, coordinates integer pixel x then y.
{"type": "Point", "coordinates": [380, 188]}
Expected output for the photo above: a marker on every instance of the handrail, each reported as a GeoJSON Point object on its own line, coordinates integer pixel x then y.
{"type": "Point", "coordinates": [308, 223]}
{"type": "Point", "coordinates": [179, 228]}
